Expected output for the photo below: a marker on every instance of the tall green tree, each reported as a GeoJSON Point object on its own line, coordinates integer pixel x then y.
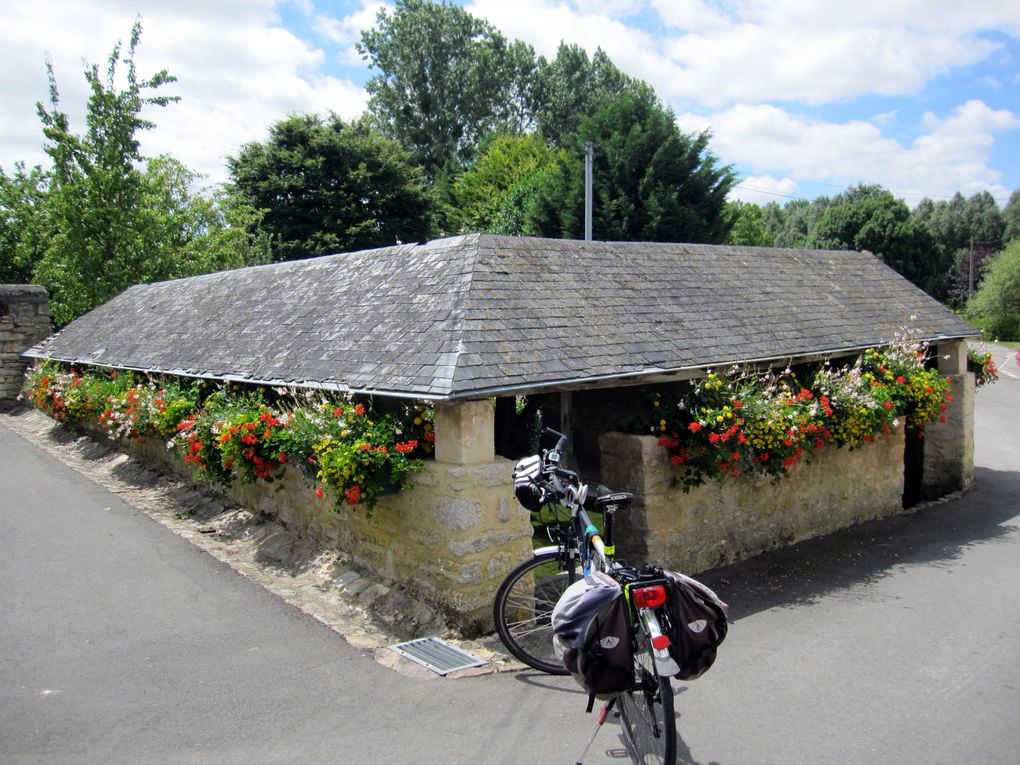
{"type": "Point", "coordinates": [960, 223]}
{"type": "Point", "coordinates": [22, 223]}
{"type": "Point", "coordinates": [969, 231]}
{"type": "Point", "coordinates": [1011, 218]}
{"type": "Point", "coordinates": [326, 186]}
{"type": "Point", "coordinates": [112, 217]}
{"type": "Point", "coordinates": [747, 225]}
{"type": "Point", "coordinates": [793, 224]}
{"type": "Point", "coordinates": [569, 87]}
{"type": "Point", "coordinates": [95, 189]}
{"type": "Point", "coordinates": [996, 305]}
{"type": "Point", "coordinates": [651, 181]}
{"type": "Point", "coordinates": [868, 217]}
{"type": "Point", "coordinates": [505, 161]}
{"type": "Point", "coordinates": [445, 80]}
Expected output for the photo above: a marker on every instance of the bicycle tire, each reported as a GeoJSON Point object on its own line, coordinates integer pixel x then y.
{"type": "Point", "coordinates": [523, 609]}
{"type": "Point", "coordinates": [646, 713]}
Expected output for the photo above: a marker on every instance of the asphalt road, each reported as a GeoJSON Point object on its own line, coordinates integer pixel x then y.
{"type": "Point", "coordinates": [894, 642]}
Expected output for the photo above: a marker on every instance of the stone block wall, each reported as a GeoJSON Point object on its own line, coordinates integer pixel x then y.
{"type": "Point", "coordinates": [24, 321]}
{"type": "Point", "coordinates": [718, 523]}
{"type": "Point", "coordinates": [949, 445]}
{"type": "Point", "coordinates": [449, 540]}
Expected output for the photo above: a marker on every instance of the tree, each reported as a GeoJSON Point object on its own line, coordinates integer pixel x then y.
{"type": "Point", "coordinates": [794, 224]}
{"type": "Point", "coordinates": [446, 80]}
{"type": "Point", "coordinates": [569, 87]}
{"type": "Point", "coordinates": [965, 229]}
{"type": "Point", "coordinates": [327, 186]}
{"type": "Point", "coordinates": [867, 217]}
{"type": "Point", "coordinates": [22, 223]}
{"type": "Point", "coordinates": [996, 305]}
{"type": "Point", "coordinates": [479, 192]}
{"type": "Point", "coordinates": [1011, 218]}
{"type": "Point", "coordinates": [747, 225]}
{"type": "Point", "coordinates": [959, 224]}
{"type": "Point", "coordinates": [110, 217]}
{"type": "Point", "coordinates": [651, 181]}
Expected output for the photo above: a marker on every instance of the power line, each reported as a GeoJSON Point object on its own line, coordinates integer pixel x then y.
{"type": "Point", "coordinates": [784, 195]}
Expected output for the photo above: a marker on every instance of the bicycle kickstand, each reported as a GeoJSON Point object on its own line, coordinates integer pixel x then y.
{"type": "Point", "coordinates": [600, 718]}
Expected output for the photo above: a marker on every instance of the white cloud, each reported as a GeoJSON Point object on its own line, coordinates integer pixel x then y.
{"type": "Point", "coordinates": [720, 52]}
{"type": "Point", "coordinates": [346, 32]}
{"type": "Point", "coordinates": [238, 72]}
{"type": "Point", "coordinates": [952, 154]}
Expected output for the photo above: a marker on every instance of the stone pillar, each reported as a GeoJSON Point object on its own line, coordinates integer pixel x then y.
{"type": "Point", "coordinates": [949, 446]}
{"type": "Point", "coordinates": [24, 321]}
{"type": "Point", "coordinates": [465, 432]}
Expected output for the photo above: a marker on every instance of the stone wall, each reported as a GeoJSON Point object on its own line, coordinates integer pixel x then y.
{"type": "Point", "coordinates": [450, 540]}
{"type": "Point", "coordinates": [721, 522]}
{"type": "Point", "coordinates": [949, 445]}
{"type": "Point", "coordinates": [24, 321]}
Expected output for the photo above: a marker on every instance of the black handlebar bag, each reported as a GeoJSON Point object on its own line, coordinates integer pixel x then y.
{"type": "Point", "coordinates": [526, 488]}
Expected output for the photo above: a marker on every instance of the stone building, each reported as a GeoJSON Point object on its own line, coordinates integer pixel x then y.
{"type": "Point", "coordinates": [580, 326]}
{"type": "Point", "coordinates": [24, 321]}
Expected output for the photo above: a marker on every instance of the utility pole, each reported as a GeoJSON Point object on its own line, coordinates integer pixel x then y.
{"type": "Point", "coordinates": [589, 153]}
{"type": "Point", "coordinates": [970, 291]}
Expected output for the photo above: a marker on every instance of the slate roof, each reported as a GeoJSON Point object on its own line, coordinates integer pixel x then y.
{"type": "Point", "coordinates": [474, 315]}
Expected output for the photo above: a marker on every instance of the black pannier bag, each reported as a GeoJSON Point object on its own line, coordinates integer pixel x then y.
{"type": "Point", "coordinates": [526, 488]}
{"type": "Point", "coordinates": [697, 624]}
{"type": "Point", "coordinates": [591, 636]}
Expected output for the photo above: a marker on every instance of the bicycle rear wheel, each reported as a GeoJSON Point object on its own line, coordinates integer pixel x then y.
{"type": "Point", "coordinates": [646, 713]}
{"type": "Point", "coordinates": [524, 605]}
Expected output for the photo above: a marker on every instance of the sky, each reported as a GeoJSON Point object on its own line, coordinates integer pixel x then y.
{"type": "Point", "coordinates": [802, 98]}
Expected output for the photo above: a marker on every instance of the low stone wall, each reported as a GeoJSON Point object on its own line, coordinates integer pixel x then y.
{"type": "Point", "coordinates": [718, 523]}
{"type": "Point", "coordinates": [449, 540]}
{"type": "Point", "coordinates": [24, 321]}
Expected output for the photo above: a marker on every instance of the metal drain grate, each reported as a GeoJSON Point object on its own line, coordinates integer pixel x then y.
{"type": "Point", "coordinates": [442, 658]}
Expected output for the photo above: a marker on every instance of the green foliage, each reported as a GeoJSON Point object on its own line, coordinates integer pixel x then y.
{"type": "Point", "coordinates": [869, 218]}
{"type": "Point", "coordinates": [1011, 218]}
{"type": "Point", "coordinates": [995, 307]}
{"type": "Point", "coordinates": [965, 229]}
{"type": "Point", "coordinates": [446, 79]}
{"type": "Point", "coordinates": [748, 226]}
{"type": "Point", "coordinates": [22, 223]}
{"type": "Point", "coordinates": [478, 194]}
{"type": "Point", "coordinates": [651, 181]}
{"type": "Point", "coordinates": [792, 225]}
{"type": "Point", "coordinates": [328, 186]}
{"type": "Point", "coordinates": [570, 87]}
{"type": "Point", "coordinates": [237, 434]}
{"type": "Point", "coordinates": [105, 217]}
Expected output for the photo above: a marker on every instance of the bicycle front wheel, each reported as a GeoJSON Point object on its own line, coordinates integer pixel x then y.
{"type": "Point", "coordinates": [646, 713]}
{"type": "Point", "coordinates": [524, 606]}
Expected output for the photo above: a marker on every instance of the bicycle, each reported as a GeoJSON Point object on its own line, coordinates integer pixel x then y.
{"type": "Point", "coordinates": [526, 598]}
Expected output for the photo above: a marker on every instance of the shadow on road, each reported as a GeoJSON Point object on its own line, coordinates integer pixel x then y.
{"type": "Point", "coordinates": [806, 572]}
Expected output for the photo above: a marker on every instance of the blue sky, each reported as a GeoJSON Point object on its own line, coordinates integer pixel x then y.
{"type": "Point", "coordinates": [802, 98]}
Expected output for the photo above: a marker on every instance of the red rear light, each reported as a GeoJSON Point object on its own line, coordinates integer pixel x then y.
{"type": "Point", "coordinates": [660, 642]}
{"type": "Point", "coordinates": [649, 597]}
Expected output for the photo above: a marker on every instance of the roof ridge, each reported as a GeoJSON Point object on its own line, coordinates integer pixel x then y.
{"type": "Point", "coordinates": [448, 364]}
